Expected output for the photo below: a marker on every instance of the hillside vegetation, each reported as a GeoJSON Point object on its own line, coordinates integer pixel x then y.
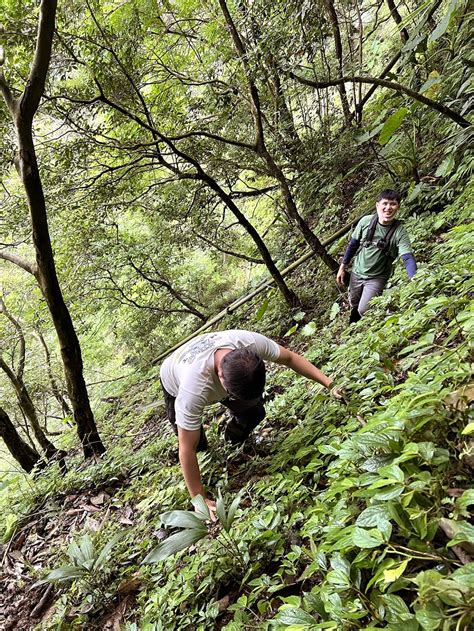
{"type": "Point", "coordinates": [178, 170]}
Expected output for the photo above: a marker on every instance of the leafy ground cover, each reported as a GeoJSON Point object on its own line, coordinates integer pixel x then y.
{"type": "Point", "coordinates": [351, 516]}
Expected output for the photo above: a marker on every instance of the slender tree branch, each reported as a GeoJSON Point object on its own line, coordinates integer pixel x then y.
{"type": "Point", "coordinates": [392, 63]}
{"type": "Point", "coordinates": [31, 268]}
{"type": "Point", "coordinates": [391, 85]}
{"type": "Point", "coordinates": [161, 282]}
{"type": "Point", "coordinates": [19, 330]}
{"type": "Point", "coordinates": [4, 87]}
{"type": "Point", "coordinates": [206, 134]}
{"type": "Point", "coordinates": [397, 18]}
{"type": "Point", "coordinates": [230, 252]}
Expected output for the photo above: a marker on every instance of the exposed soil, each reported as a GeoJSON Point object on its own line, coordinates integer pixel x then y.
{"type": "Point", "coordinates": [23, 605]}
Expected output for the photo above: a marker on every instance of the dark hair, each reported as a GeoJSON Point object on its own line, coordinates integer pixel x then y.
{"type": "Point", "coordinates": [243, 372]}
{"type": "Point", "coordinates": [389, 193]}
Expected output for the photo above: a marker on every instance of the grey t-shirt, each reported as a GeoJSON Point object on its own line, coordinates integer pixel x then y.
{"type": "Point", "coordinates": [188, 374]}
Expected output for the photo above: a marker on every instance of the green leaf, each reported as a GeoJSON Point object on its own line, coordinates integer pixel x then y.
{"type": "Point", "coordinates": [469, 429]}
{"type": "Point", "coordinates": [335, 309]}
{"type": "Point", "coordinates": [389, 576]}
{"type": "Point", "coordinates": [413, 42]}
{"type": "Point", "coordinates": [445, 167]}
{"type": "Point", "coordinates": [430, 617]}
{"type": "Point", "coordinates": [433, 79]}
{"type": "Point", "coordinates": [443, 24]}
{"type": "Point", "coordinates": [104, 553]}
{"type": "Point", "coordinates": [290, 615]}
{"type": "Point", "coordinates": [466, 499]}
{"type": "Point", "coordinates": [291, 330]}
{"type": "Point", "coordinates": [175, 543]}
{"type": "Point", "coordinates": [391, 125]}
{"type": "Point", "coordinates": [465, 575]}
{"type": "Point", "coordinates": [377, 516]}
{"type": "Point", "coordinates": [11, 522]}
{"type": "Point", "coordinates": [366, 538]}
{"type": "Point", "coordinates": [182, 519]}
{"type": "Point", "coordinates": [220, 511]}
{"type": "Point", "coordinates": [392, 472]}
{"type": "Point", "coordinates": [361, 138]}
{"type": "Point", "coordinates": [261, 310]}
{"type": "Point", "coordinates": [396, 609]}
{"type": "Point", "coordinates": [233, 509]}
{"type": "Point", "coordinates": [389, 494]}
{"type": "Point", "coordinates": [463, 532]}
{"type": "Point", "coordinates": [64, 573]}
{"type": "Point", "coordinates": [87, 548]}
{"type": "Point", "coordinates": [309, 329]}
{"type": "Point", "coordinates": [202, 509]}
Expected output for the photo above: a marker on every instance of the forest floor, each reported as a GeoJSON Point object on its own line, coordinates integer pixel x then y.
{"type": "Point", "coordinates": [350, 517]}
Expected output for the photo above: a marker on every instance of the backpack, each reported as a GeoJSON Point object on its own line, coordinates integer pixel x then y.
{"type": "Point", "coordinates": [382, 244]}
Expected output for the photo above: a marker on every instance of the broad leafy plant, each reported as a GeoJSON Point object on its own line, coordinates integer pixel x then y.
{"type": "Point", "coordinates": [195, 526]}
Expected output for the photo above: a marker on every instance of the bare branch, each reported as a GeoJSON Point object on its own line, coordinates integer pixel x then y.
{"type": "Point", "coordinates": [230, 252]}
{"type": "Point", "coordinates": [19, 330]}
{"type": "Point", "coordinates": [17, 260]}
{"type": "Point", "coordinates": [4, 87]}
{"type": "Point", "coordinates": [391, 85]}
{"type": "Point", "coordinates": [161, 282]}
{"type": "Point", "coordinates": [205, 134]}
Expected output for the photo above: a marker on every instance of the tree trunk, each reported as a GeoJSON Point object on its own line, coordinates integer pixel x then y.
{"type": "Point", "coordinates": [23, 110]}
{"type": "Point", "coordinates": [290, 297]}
{"type": "Point", "coordinates": [331, 11]}
{"type": "Point", "coordinates": [28, 408]}
{"type": "Point", "coordinates": [21, 451]}
{"type": "Point", "coordinates": [397, 18]}
{"type": "Point", "coordinates": [300, 223]}
{"type": "Point", "coordinates": [261, 149]}
{"type": "Point", "coordinates": [48, 281]}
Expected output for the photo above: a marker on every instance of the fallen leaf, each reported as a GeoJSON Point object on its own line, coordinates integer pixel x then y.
{"type": "Point", "coordinates": [223, 603]}
{"type": "Point", "coordinates": [129, 585]}
{"type": "Point", "coordinates": [92, 524]}
{"type": "Point", "coordinates": [73, 511]}
{"type": "Point", "coordinates": [99, 499]}
{"type": "Point", "coordinates": [455, 492]}
{"type": "Point", "coordinates": [113, 621]}
{"type": "Point", "coordinates": [460, 399]}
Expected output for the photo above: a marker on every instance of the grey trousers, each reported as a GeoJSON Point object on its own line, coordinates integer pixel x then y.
{"type": "Point", "coordinates": [362, 290]}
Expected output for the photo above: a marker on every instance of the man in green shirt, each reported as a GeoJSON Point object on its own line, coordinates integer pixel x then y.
{"type": "Point", "coordinates": [377, 241]}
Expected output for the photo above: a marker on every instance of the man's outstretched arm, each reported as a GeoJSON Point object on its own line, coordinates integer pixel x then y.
{"type": "Point", "coordinates": [410, 264]}
{"type": "Point", "coordinates": [303, 367]}
{"type": "Point", "coordinates": [188, 441]}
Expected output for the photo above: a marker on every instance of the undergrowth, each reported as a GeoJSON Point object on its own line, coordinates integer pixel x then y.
{"type": "Point", "coordinates": [351, 517]}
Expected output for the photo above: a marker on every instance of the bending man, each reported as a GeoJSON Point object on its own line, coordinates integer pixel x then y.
{"type": "Point", "coordinates": [226, 366]}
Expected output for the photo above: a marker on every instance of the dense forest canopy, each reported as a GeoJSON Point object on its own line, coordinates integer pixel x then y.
{"type": "Point", "coordinates": [162, 164]}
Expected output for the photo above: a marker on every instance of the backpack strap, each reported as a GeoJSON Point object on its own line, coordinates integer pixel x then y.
{"type": "Point", "coordinates": [384, 244]}
{"type": "Point", "coordinates": [369, 236]}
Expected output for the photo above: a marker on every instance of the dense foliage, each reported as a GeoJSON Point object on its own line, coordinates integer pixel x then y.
{"type": "Point", "coordinates": [187, 152]}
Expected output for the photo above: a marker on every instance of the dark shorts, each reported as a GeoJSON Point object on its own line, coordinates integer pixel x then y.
{"type": "Point", "coordinates": [245, 416]}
